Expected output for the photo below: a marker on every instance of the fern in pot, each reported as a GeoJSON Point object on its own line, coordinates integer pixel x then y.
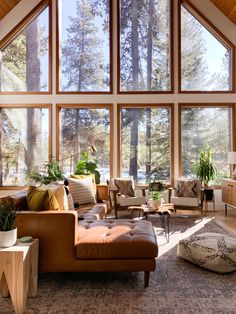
{"type": "Point", "coordinates": [205, 169]}
{"type": "Point", "coordinates": [8, 233]}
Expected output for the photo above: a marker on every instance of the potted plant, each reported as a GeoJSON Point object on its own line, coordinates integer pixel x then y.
{"type": "Point", "coordinates": [8, 233]}
{"type": "Point", "coordinates": [50, 172]}
{"type": "Point", "coordinates": [88, 165]}
{"type": "Point", "coordinates": [205, 170]}
{"type": "Point", "coordinates": [155, 199]}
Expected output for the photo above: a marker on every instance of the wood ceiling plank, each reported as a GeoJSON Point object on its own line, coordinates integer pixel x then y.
{"type": "Point", "coordinates": [6, 6]}
{"type": "Point", "coordinates": [228, 7]}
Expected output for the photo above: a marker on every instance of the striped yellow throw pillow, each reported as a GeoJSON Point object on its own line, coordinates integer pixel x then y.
{"type": "Point", "coordinates": [82, 190]}
{"type": "Point", "coordinates": [39, 199]}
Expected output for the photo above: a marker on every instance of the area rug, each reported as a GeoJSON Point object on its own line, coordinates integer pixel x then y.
{"type": "Point", "coordinates": [176, 286]}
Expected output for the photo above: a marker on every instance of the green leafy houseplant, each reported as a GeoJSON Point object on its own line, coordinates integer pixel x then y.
{"type": "Point", "coordinates": [155, 196]}
{"type": "Point", "coordinates": [7, 216]}
{"type": "Point", "coordinates": [88, 165]}
{"type": "Point", "coordinates": [50, 172]}
{"type": "Point", "coordinates": [204, 168]}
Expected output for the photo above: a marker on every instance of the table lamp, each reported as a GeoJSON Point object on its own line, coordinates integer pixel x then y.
{"type": "Point", "coordinates": [232, 161]}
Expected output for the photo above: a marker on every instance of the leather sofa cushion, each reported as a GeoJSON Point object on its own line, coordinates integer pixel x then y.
{"type": "Point", "coordinates": [91, 211]}
{"type": "Point", "coordinates": [109, 239]}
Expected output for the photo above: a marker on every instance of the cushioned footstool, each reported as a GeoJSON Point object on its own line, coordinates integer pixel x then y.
{"type": "Point", "coordinates": [117, 245]}
{"type": "Point", "coordinates": [213, 251]}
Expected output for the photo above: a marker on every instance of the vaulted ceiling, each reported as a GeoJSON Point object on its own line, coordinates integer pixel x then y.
{"type": "Point", "coordinates": [228, 7]}
{"type": "Point", "coordinates": [6, 6]}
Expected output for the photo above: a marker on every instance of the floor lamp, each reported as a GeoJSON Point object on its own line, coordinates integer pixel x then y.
{"type": "Point", "coordinates": [232, 161]}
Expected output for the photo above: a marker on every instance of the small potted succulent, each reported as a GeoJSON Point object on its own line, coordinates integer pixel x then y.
{"type": "Point", "coordinates": [155, 199]}
{"type": "Point", "coordinates": [8, 233]}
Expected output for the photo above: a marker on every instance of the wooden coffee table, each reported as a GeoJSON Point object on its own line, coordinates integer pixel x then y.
{"type": "Point", "coordinates": [164, 211]}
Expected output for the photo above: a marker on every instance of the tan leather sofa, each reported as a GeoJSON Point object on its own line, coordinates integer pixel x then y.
{"type": "Point", "coordinates": [66, 245]}
{"type": "Point", "coordinates": [69, 245]}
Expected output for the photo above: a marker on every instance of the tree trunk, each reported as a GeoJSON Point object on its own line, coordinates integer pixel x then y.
{"type": "Point", "coordinates": [34, 148]}
{"type": "Point", "coordinates": [76, 138]}
{"type": "Point", "coordinates": [1, 145]}
{"type": "Point", "coordinates": [133, 168]}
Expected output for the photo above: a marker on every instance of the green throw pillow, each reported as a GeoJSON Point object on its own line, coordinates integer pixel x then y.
{"type": "Point", "coordinates": [38, 200]}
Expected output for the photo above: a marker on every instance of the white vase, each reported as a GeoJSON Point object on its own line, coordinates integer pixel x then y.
{"type": "Point", "coordinates": [155, 204]}
{"type": "Point", "coordinates": [8, 238]}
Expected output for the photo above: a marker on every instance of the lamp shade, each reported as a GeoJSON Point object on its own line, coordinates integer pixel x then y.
{"type": "Point", "coordinates": [232, 158]}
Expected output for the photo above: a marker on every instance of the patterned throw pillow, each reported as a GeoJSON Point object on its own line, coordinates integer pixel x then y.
{"type": "Point", "coordinates": [187, 188]}
{"type": "Point", "coordinates": [39, 199]}
{"type": "Point", "coordinates": [213, 251]}
{"type": "Point", "coordinates": [125, 187]}
{"type": "Point", "coordinates": [82, 190]}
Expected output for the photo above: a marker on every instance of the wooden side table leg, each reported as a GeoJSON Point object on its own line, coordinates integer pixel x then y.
{"type": "Point", "coordinates": [4, 291]}
{"type": "Point", "coordinates": [17, 280]}
{"type": "Point", "coordinates": [33, 272]}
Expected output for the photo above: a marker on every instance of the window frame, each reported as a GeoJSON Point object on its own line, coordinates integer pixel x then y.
{"type": "Point", "coordinates": [30, 106]}
{"type": "Point", "coordinates": [204, 105]}
{"type": "Point", "coordinates": [58, 57]}
{"type": "Point", "coordinates": [34, 13]}
{"type": "Point", "coordinates": [84, 106]}
{"type": "Point", "coordinates": [171, 91]}
{"type": "Point", "coordinates": [169, 106]}
{"type": "Point", "coordinates": [217, 34]}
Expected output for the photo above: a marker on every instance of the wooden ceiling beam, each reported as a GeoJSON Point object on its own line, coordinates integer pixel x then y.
{"type": "Point", "coordinates": [228, 7]}
{"type": "Point", "coordinates": [6, 6]}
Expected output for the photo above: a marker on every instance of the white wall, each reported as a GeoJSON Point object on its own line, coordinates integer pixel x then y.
{"type": "Point", "coordinates": [205, 6]}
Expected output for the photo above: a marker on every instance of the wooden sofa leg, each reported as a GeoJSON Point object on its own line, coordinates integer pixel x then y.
{"type": "Point", "coordinates": [146, 278]}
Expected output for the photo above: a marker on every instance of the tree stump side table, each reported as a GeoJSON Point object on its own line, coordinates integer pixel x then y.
{"type": "Point", "coordinates": [19, 273]}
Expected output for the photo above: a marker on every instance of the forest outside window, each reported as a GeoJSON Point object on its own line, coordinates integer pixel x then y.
{"type": "Point", "coordinates": [85, 129]}
{"type": "Point", "coordinates": [84, 46]}
{"type": "Point", "coordinates": [206, 58]}
{"type": "Point", "coordinates": [202, 126]}
{"type": "Point", "coordinates": [24, 142]}
{"type": "Point", "coordinates": [24, 60]}
{"type": "Point", "coordinates": [145, 142]}
{"type": "Point", "coordinates": [145, 46]}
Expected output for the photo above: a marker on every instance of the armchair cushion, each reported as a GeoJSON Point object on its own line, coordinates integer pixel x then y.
{"type": "Point", "coordinates": [187, 188]}
{"type": "Point", "coordinates": [125, 187]}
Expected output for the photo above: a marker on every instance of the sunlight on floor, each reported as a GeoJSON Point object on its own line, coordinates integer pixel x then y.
{"type": "Point", "coordinates": [176, 236]}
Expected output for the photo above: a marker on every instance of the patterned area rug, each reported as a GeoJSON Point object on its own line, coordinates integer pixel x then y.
{"type": "Point", "coordinates": [176, 286]}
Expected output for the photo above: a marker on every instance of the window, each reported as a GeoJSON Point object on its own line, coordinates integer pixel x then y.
{"type": "Point", "coordinates": [206, 57]}
{"type": "Point", "coordinates": [24, 59]}
{"type": "Point", "coordinates": [85, 128]}
{"type": "Point", "coordinates": [145, 46]}
{"type": "Point", "coordinates": [84, 44]}
{"type": "Point", "coordinates": [145, 142]}
{"type": "Point", "coordinates": [206, 125]}
{"type": "Point", "coordinates": [24, 142]}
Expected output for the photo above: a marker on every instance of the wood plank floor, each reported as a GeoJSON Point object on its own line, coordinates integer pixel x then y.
{"type": "Point", "coordinates": [229, 221]}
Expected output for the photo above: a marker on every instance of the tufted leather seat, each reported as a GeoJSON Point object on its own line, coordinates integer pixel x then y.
{"type": "Point", "coordinates": [115, 239]}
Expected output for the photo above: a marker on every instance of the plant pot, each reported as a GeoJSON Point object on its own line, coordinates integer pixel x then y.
{"type": "Point", "coordinates": [155, 204]}
{"type": "Point", "coordinates": [8, 238]}
{"type": "Point", "coordinates": [209, 193]}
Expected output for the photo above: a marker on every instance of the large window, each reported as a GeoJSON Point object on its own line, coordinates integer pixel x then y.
{"type": "Point", "coordinates": [24, 141]}
{"type": "Point", "coordinates": [84, 46]}
{"type": "Point", "coordinates": [24, 59]}
{"type": "Point", "coordinates": [206, 58]}
{"type": "Point", "coordinates": [206, 125]}
{"type": "Point", "coordinates": [145, 46]}
{"type": "Point", "coordinates": [85, 128]}
{"type": "Point", "coordinates": [145, 142]}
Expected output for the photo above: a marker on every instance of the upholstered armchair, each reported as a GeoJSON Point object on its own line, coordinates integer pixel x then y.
{"type": "Point", "coordinates": [123, 194]}
{"type": "Point", "coordinates": [187, 194]}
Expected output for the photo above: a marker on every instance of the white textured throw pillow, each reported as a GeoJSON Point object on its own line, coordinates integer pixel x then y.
{"type": "Point", "coordinates": [213, 251]}
{"type": "Point", "coordinates": [82, 190]}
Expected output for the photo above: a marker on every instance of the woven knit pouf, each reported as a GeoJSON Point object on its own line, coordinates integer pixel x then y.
{"type": "Point", "coordinates": [213, 251]}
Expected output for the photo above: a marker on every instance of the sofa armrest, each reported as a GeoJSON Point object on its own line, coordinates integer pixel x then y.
{"type": "Point", "coordinates": [57, 232]}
